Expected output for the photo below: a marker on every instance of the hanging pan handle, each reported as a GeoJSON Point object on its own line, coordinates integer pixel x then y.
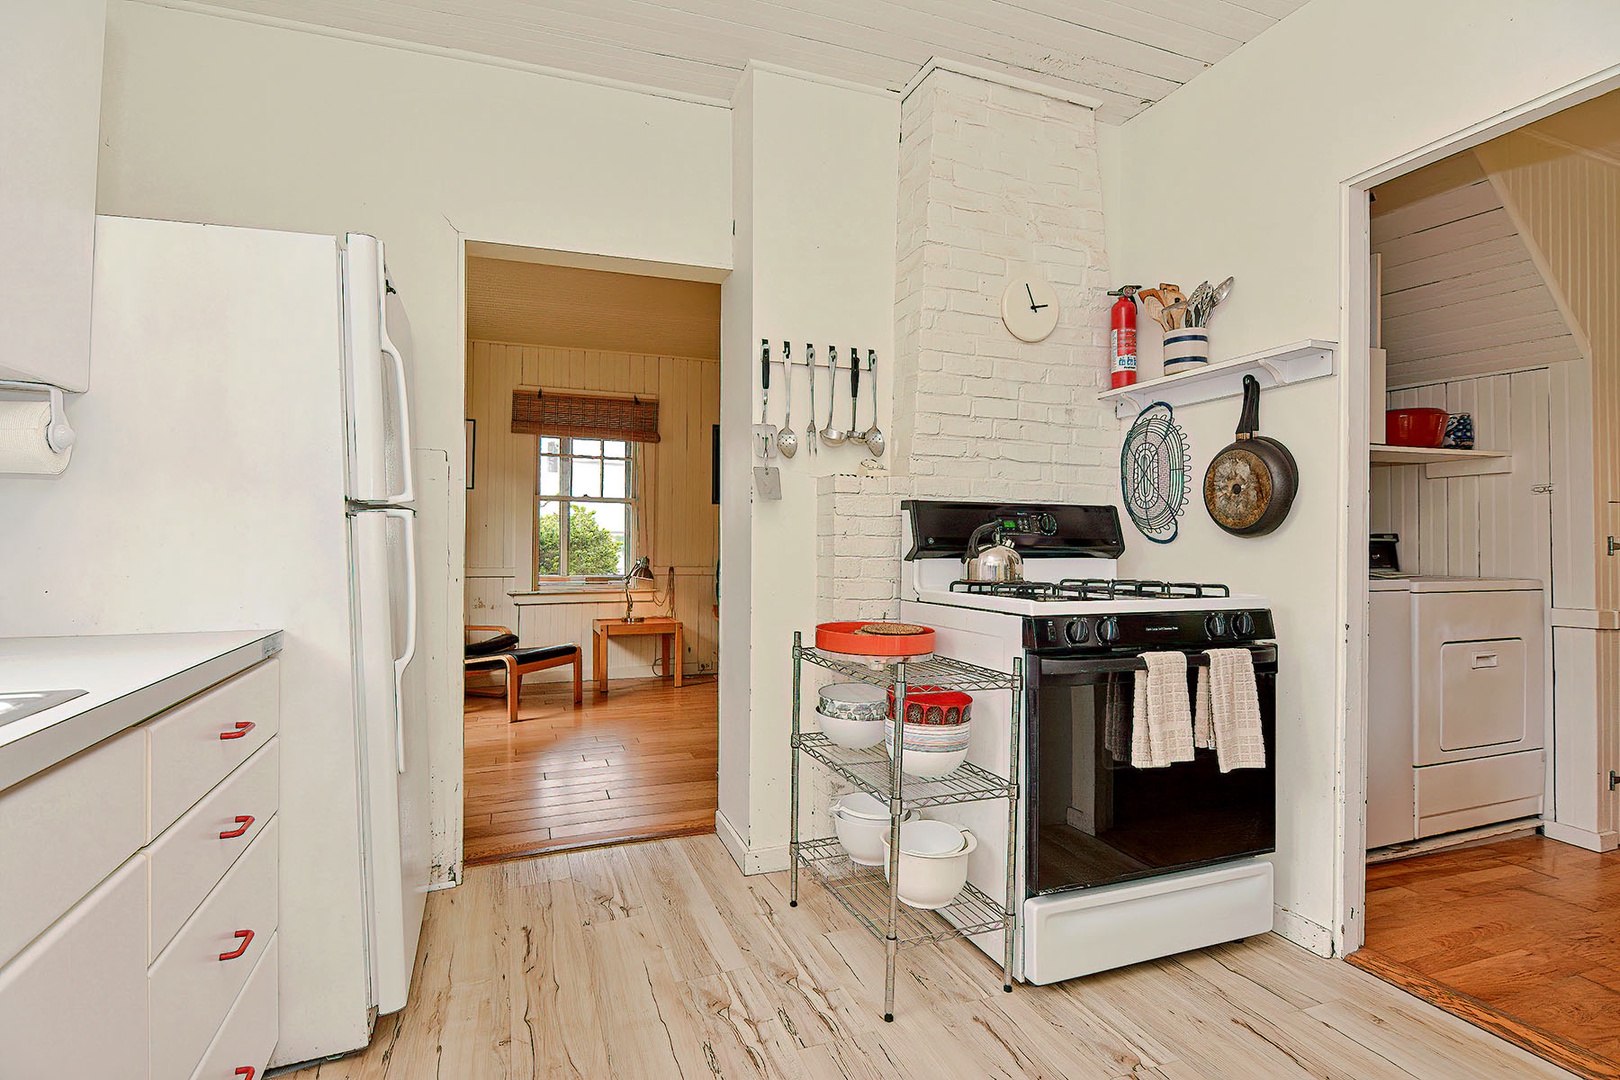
{"type": "Point", "coordinates": [1249, 418]}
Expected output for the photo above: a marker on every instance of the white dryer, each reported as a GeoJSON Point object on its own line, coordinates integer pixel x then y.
{"type": "Point", "coordinates": [1478, 694]}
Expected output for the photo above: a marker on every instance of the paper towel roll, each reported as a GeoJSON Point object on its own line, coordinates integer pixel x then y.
{"type": "Point", "coordinates": [23, 450]}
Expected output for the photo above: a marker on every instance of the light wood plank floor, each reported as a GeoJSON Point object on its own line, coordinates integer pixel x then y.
{"type": "Point", "coordinates": [637, 762]}
{"type": "Point", "coordinates": [1521, 936]}
{"type": "Point", "coordinates": [660, 960]}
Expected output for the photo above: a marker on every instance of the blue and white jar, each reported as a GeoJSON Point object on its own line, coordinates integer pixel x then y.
{"type": "Point", "coordinates": [1185, 348]}
{"type": "Point", "coordinates": [1459, 431]}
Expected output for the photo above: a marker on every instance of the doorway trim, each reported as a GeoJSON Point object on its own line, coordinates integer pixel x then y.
{"type": "Point", "coordinates": [448, 814]}
{"type": "Point", "coordinates": [1349, 930]}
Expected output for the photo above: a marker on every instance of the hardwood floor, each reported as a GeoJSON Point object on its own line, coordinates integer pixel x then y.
{"type": "Point", "coordinates": [1520, 936]}
{"type": "Point", "coordinates": [635, 763]}
{"type": "Point", "coordinates": [660, 960]}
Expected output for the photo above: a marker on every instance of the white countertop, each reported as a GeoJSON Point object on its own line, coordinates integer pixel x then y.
{"type": "Point", "coordinates": [127, 679]}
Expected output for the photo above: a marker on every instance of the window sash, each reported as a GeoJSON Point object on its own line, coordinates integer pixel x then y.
{"type": "Point", "coordinates": [564, 499]}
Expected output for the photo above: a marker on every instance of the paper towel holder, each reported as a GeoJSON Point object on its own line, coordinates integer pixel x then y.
{"type": "Point", "coordinates": [59, 434]}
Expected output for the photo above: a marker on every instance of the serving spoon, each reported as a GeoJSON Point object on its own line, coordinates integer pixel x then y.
{"type": "Point", "coordinates": [831, 435]}
{"type": "Point", "coordinates": [873, 438]}
{"type": "Point", "coordinates": [786, 441]}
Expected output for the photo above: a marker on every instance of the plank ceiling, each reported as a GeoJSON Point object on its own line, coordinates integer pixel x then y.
{"type": "Point", "coordinates": [1127, 54]}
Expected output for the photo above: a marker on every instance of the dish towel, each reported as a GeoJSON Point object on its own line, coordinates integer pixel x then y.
{"type": "Point", "coordinates": [1227, 716]}
{"type": "Point", "coordinates": [1116, 721]}
{"type": "Point", "coordinates": [1162, 732]}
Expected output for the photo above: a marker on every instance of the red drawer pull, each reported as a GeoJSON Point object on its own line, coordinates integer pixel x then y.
{"type": "Point", "coordinates": [242, 728]}
{"type": "Point", "coordinates": [244, 823]}
{"type": "Point", "coordinates": [247, 1071]}
{"type": "Point", "coordinates": [247, 939]}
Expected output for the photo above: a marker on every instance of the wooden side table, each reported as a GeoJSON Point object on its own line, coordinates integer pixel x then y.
{"type": "Point", "coordinates": [669, 629]}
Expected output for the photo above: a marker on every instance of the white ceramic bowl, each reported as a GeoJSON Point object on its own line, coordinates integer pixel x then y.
{"type": "Point", "coordinates": [926, 763]}
{"type": "Point", "coordinates": [865, 840]}
{"type": "Point", "coordinates": [930, 838]}
{"type": "Point", "coordinates": [854, 701]}
{"type": "Point", "coordinates": [860, 804]}
{"type": "Point", "coordinates": [930, 881]}
{"type": "Point", "coordinates": [854, 734]}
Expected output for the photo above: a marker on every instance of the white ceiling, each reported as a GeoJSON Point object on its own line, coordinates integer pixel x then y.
{"type": "Point", "coordinates": [1127, 54]}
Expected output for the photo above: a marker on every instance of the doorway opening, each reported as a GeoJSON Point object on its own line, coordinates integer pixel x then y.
{"type": "Point", "coordinates": [593, 408]}
{"type": "Point", "coordinates": [1493, 394]}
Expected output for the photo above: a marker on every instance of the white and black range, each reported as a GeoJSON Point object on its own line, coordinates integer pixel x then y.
{"type": "Point", "coordinates": [1117, 864]}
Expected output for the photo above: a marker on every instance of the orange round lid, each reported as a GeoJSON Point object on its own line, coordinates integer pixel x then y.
{"type": "Point", "coordinates": [866, 638]}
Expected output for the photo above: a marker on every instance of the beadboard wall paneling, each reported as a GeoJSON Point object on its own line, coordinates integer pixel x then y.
{"type": "Point", "coordinates": [684, 523]}
{"type": "Point", "coordinates": [1566, 201]}
{"type": "Point", "coordinates": [1476, 526]}
{"type": "Point", "coordinates": [528, 303]}
{"type": "Point", "coordinates": [1126, 54]}
{"type": "Point", "coordinates": [1461, 292]}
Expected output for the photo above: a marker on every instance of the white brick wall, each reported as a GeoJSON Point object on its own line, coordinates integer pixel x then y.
{"type": "Point", "coordinates": [993, 180]}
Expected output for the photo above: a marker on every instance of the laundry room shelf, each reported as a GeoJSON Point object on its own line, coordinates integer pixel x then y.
{"type": "Point", "coordinates": [871, 894]}
{"type": "Point", "coordinates": [869, 771]}
{"type": "Point", "coordinates": [1443, 462]}
{"type": "Point", "coordinates": [864, 893]}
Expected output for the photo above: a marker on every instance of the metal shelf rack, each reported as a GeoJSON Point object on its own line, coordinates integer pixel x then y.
{"type": "Point", "coordinates": [868, 894]}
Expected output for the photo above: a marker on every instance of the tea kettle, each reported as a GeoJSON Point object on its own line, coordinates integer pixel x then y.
{"type": "Point", "coordinates": [999, 560]}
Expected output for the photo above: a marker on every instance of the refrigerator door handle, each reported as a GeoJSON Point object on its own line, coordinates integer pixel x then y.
{"type": "Point", "coordinates": [408, 520]}
{"type": "Point", "coordinates": [408, 493]}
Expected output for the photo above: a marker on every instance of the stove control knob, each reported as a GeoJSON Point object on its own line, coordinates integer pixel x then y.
{"type": "Point", "coordinates": [1215, 625]}
{"type": "Point", "coordinates": [1108, 630]}
{"type": "Point", "coordinates": [1077, 631]}
{"type": "Point", "coordinates": [1243, 624]}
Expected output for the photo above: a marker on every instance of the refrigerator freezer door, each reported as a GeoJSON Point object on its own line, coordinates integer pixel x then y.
{"type": "Point", "coordinates": [394, 769]}
{"type": "Point", "coordinates": [374, 377]}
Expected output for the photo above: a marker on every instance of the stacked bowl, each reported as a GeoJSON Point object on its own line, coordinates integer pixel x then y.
{"type": "Point", "coordinates": [933, 861]}
{"type": "Point", "coordinates": [853, 714]}
{"type": "Point", "coordinates": [861, 823]}
{"type": "Point", "coordinates": [936, 731]}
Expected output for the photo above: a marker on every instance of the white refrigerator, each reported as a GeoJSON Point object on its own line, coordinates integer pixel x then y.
{"type": "Point", "coordinates": [244, 460]}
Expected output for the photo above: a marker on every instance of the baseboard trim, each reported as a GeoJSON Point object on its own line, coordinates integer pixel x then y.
{"type": "Point", "coordinates": [1302, 932]}
{"type": "Point", "coordinates": [1581, 838]}
{"type": "Point", "coordinates": [749, 860]}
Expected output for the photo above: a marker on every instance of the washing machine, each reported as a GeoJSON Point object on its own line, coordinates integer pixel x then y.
{"type": "Point", "coordinates": [1469, 701]}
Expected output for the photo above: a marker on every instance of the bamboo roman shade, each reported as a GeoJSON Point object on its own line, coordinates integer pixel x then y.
{"type": "Point", "coordinates": [584, 416]}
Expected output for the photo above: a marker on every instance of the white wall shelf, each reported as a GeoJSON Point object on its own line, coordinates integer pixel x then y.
{"type": "Point", "coordinates": [1442, 462]}
{"type": "Point", "coordinates": [1299, 362]}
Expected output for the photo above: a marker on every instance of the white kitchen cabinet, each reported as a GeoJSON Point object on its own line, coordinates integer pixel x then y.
{"type": "Point", "coordinates": [73, 1004]}
{"type": "Point", "coordinates": [169, 963]}
{"type": "Point", "coordinates": [71, 826]}
{"type": "Point", "coordinates": [50, 121]}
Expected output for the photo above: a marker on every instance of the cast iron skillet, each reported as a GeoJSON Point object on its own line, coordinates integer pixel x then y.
{"type": "Point", "coordinates": [1250, 485]}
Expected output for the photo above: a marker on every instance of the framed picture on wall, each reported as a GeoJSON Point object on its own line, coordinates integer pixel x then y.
{"type": "Point", "coordinates": [472, 449]}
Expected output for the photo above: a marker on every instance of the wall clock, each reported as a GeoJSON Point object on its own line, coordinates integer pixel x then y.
{"type": "Point", "coordinates": [1029, 307]}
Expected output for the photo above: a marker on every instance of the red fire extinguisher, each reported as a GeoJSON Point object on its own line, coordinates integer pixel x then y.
{"type": "Point", "coordinates": [1122, 337]}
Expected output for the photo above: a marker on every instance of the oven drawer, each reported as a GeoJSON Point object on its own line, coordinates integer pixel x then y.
{"type": "Point", "coordinates": [1090, 930]}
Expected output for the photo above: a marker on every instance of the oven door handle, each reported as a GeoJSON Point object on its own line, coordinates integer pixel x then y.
{"type": "Point", "coordinates": [1050, 666]}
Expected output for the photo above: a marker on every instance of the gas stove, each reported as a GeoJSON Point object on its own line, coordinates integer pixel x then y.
{"type": "Point", "coordinates": [1117, 864]}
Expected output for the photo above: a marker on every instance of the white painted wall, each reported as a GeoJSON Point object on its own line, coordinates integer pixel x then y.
{"type": "Point", "coordinates": [209, 118]}
{"type": "Point", "coordinates": [817, 168]}
{"type": "Point", "coordinates": [1260, 145]}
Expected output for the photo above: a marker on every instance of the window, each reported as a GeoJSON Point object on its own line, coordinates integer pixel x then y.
{"type": "Point", "coordinates": [583, 509]}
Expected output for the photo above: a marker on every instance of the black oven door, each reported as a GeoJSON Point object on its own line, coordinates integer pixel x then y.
{"type": "Point", "coordinates": [1094, 819]}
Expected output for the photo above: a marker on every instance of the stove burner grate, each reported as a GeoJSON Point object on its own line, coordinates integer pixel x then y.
{"type": "Point", "coordinates": [1092, 589]}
